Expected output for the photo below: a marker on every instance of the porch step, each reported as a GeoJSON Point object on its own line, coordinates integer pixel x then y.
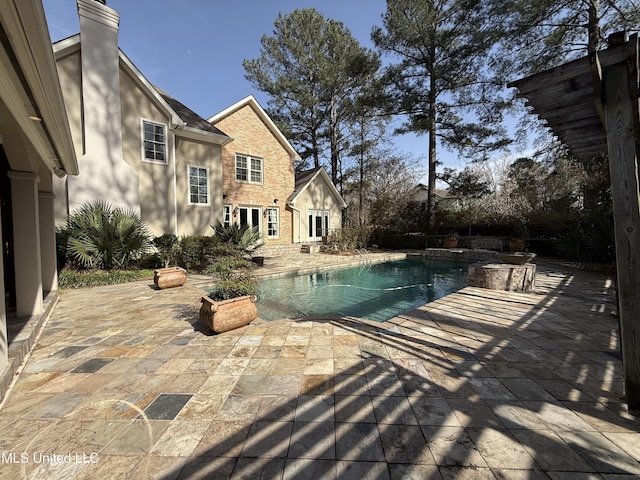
{"type": "Point", "coordinates": [309, 248]}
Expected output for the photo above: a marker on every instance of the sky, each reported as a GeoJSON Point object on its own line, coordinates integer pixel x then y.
{"type": "Point", "coordinates": [193, 49]}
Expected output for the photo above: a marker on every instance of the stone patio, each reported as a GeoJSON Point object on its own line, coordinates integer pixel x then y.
{"type": "Point", "coordinates": [125, 382]}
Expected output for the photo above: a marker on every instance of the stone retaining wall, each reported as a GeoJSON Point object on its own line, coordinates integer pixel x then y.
{"type": "Point", "coordinates": [463, 254]}
{"type": "Point", "coordinates": [502, 276]}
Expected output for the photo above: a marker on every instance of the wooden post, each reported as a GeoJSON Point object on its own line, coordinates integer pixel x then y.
{"type": "Point", "coordinates": [621, 110]}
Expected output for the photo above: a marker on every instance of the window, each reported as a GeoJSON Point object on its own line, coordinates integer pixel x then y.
{"type": "Point", "coordinates": [272, 222]}
{"type": "Point", "coordinates": [198, 185]}
{"type": "Point", "coordinates": [154, 142]}
{"type": "Point", "coordinates": [226, 216]}
{"type": "Point", "coordinates": [248, 169]}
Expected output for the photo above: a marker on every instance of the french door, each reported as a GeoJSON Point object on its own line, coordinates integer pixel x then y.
{"type": "Point", "coordinates": [250, 216]}
{"type": "Point", "coordinates": [318, 224]}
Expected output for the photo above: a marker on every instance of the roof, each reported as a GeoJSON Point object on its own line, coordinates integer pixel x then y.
{"type": "Point", "coordinates": [306, 177]}
{"type": "Point", "coordinates": [188, 116]}
{"type": "Point", "coordinates": [567, 99]}
{"type": "Point", "coordinates": [266, 119]}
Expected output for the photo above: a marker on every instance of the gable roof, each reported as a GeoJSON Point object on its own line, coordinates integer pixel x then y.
{"type": "Point", "coordinates": [184, 121]}
{"type": "Point", "coordinates": [253, 103]}
{"type": "Point", "coordinates": [306, 177]}
{"type": "Point", "coordinates": [188, 116]}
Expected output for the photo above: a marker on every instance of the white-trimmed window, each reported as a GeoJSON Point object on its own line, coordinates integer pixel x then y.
{"type": "Point", "coordinates": [198, 185]}
{"type": "Point", "coordinates": [154, 142]}
{"type": "Point", "coordinates": [273, 224]}
{"type": "Point", "coordinates": [248, 169]}
{"type": "Point", "coordinates": [226, 216]}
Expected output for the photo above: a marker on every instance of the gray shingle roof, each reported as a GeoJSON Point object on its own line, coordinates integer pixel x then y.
{"type": "Point", "coordinates": [191, 118]}
{"type": "Point", "coordinates": [302, 178]}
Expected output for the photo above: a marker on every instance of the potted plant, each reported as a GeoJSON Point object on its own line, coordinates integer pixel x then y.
{"type": "Point", "coordinates": [517, 238]}
{"type": "Point", "coordinates": [168, 277]}
{"type": "Point", "coordinates": [450, 240]}
{"type": "Point", "coordinates": [231, 303]}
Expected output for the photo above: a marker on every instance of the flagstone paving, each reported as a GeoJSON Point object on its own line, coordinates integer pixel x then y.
{"type": "Point", "coordinates": [125, 382]}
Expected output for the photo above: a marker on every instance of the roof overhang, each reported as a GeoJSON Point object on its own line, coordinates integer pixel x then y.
{"type": "Point", "coordinates": [568, 99]}
{"type": "Point", "coordinates": [201, 135]}
{"type": "Point", "coordinates": [31, 88]}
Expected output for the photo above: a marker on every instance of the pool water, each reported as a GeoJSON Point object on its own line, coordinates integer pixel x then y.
{"type": "Point", "coordinates": [375, 292]}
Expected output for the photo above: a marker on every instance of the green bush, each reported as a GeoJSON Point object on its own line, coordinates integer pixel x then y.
{"type": "Point", "coordinates": [237, 285]}
{"type": "Point", "coordinates": [242, 236]}
{"type": "Point", "coordinates": [235, 277]}
{"type": "Point", "coordinates": [402, 242]}
{"type": "Point", "coordinates": [99, 236]}
{"type": "Point", "coordinates": [68, 278]}
{"type": "Point", "coordinates": [196, 252]}
{"type": "Point", "coordinates": [168, 247]}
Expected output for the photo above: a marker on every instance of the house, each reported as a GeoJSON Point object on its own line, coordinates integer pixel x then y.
{"type": "Point", "coordinates": [442, 198]}
{"type": "Point", "coordinates": [137, 146]}
{"type": "Point", "coordinates": [317, 206]}
{"type": "Point", "coordinates": [257, 171]}
{"type": "Point", "coordinates": [35, 147]}
{"type": "Point", "coordinates": [261, 187]}
{"type": "Point", "coordinates": [140, 148]}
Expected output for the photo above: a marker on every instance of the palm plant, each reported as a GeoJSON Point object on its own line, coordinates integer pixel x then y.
{"type": "Point", "coordinates": [100, 236]}
{"type": "Point", "coordinates": [243, 237]}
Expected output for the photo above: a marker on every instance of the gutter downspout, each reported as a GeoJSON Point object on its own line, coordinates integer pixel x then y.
{"type": "Point", "coordinates": [175, 181]}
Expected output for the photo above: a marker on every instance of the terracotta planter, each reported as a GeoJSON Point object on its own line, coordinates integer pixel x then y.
{"type": "Point", "coordinates": [169, 277]}
{"type": "Point", "coordinates": [228, 314]}
{"type": "Point", "coordinates": [450, 242]}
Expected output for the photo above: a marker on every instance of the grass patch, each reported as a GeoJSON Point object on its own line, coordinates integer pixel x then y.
{"type": "Point", "coordinates": [91, 278]}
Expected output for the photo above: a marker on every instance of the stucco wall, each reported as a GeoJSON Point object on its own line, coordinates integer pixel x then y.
{"type": "Point", "coordinates": [157, 193]}
{"type": "Point", "coordinates": [69, 69]}
{"type": "Point", "coordinates": [318, 196]}
{"type": "Point", "coordinates": [252, 137]}
{"type": "Point", "coordinates": [197, 219]}
{"type": "Point", "coordinates": [159, 203]}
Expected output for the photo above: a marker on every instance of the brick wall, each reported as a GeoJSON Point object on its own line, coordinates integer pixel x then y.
{"type": "Point", "coordinates": [252, 137]}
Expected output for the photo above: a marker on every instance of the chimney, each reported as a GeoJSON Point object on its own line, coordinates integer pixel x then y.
{"type": "Point", "coordinates": [104, 174]}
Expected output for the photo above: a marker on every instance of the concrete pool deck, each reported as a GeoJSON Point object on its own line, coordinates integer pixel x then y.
{"type": "Point", "coordinates": [124, 382]}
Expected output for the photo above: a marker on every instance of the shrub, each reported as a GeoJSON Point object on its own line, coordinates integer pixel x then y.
{"type": "Point", "coordinates": [68, 278]}
{"type": "Point", "coordinates": [237, 285]}
{"type": "Point", "coordinates": [235, 277]}
{"type": "Point", "coordinates": [242, 236]}
{"type": "Point", "coordinates": [99, 236]}
{"type": "Point", "coordinates": [168, 248]}
{"type": "Point", "coordinates": [399, 242]}
{"type": "Point", "coordinates": [196, 252]}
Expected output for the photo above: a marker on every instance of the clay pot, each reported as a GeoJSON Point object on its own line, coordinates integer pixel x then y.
{"type": "Point", "coordinates": [228, 314]}
{"type": "Point", "coordinates": [169, 277]}
{"type": "Point", "coordinates": [450, 242]}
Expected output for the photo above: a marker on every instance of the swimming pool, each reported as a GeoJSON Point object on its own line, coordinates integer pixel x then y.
{"type": "Point", "coordinates": [375, 292]}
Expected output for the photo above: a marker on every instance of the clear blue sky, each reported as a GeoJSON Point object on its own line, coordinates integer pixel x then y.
{"type": "Point", "coordinates": [193, 49]}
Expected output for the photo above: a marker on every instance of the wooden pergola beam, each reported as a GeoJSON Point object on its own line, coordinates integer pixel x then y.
{"type": "Point", "coordinates": [620, 101]}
